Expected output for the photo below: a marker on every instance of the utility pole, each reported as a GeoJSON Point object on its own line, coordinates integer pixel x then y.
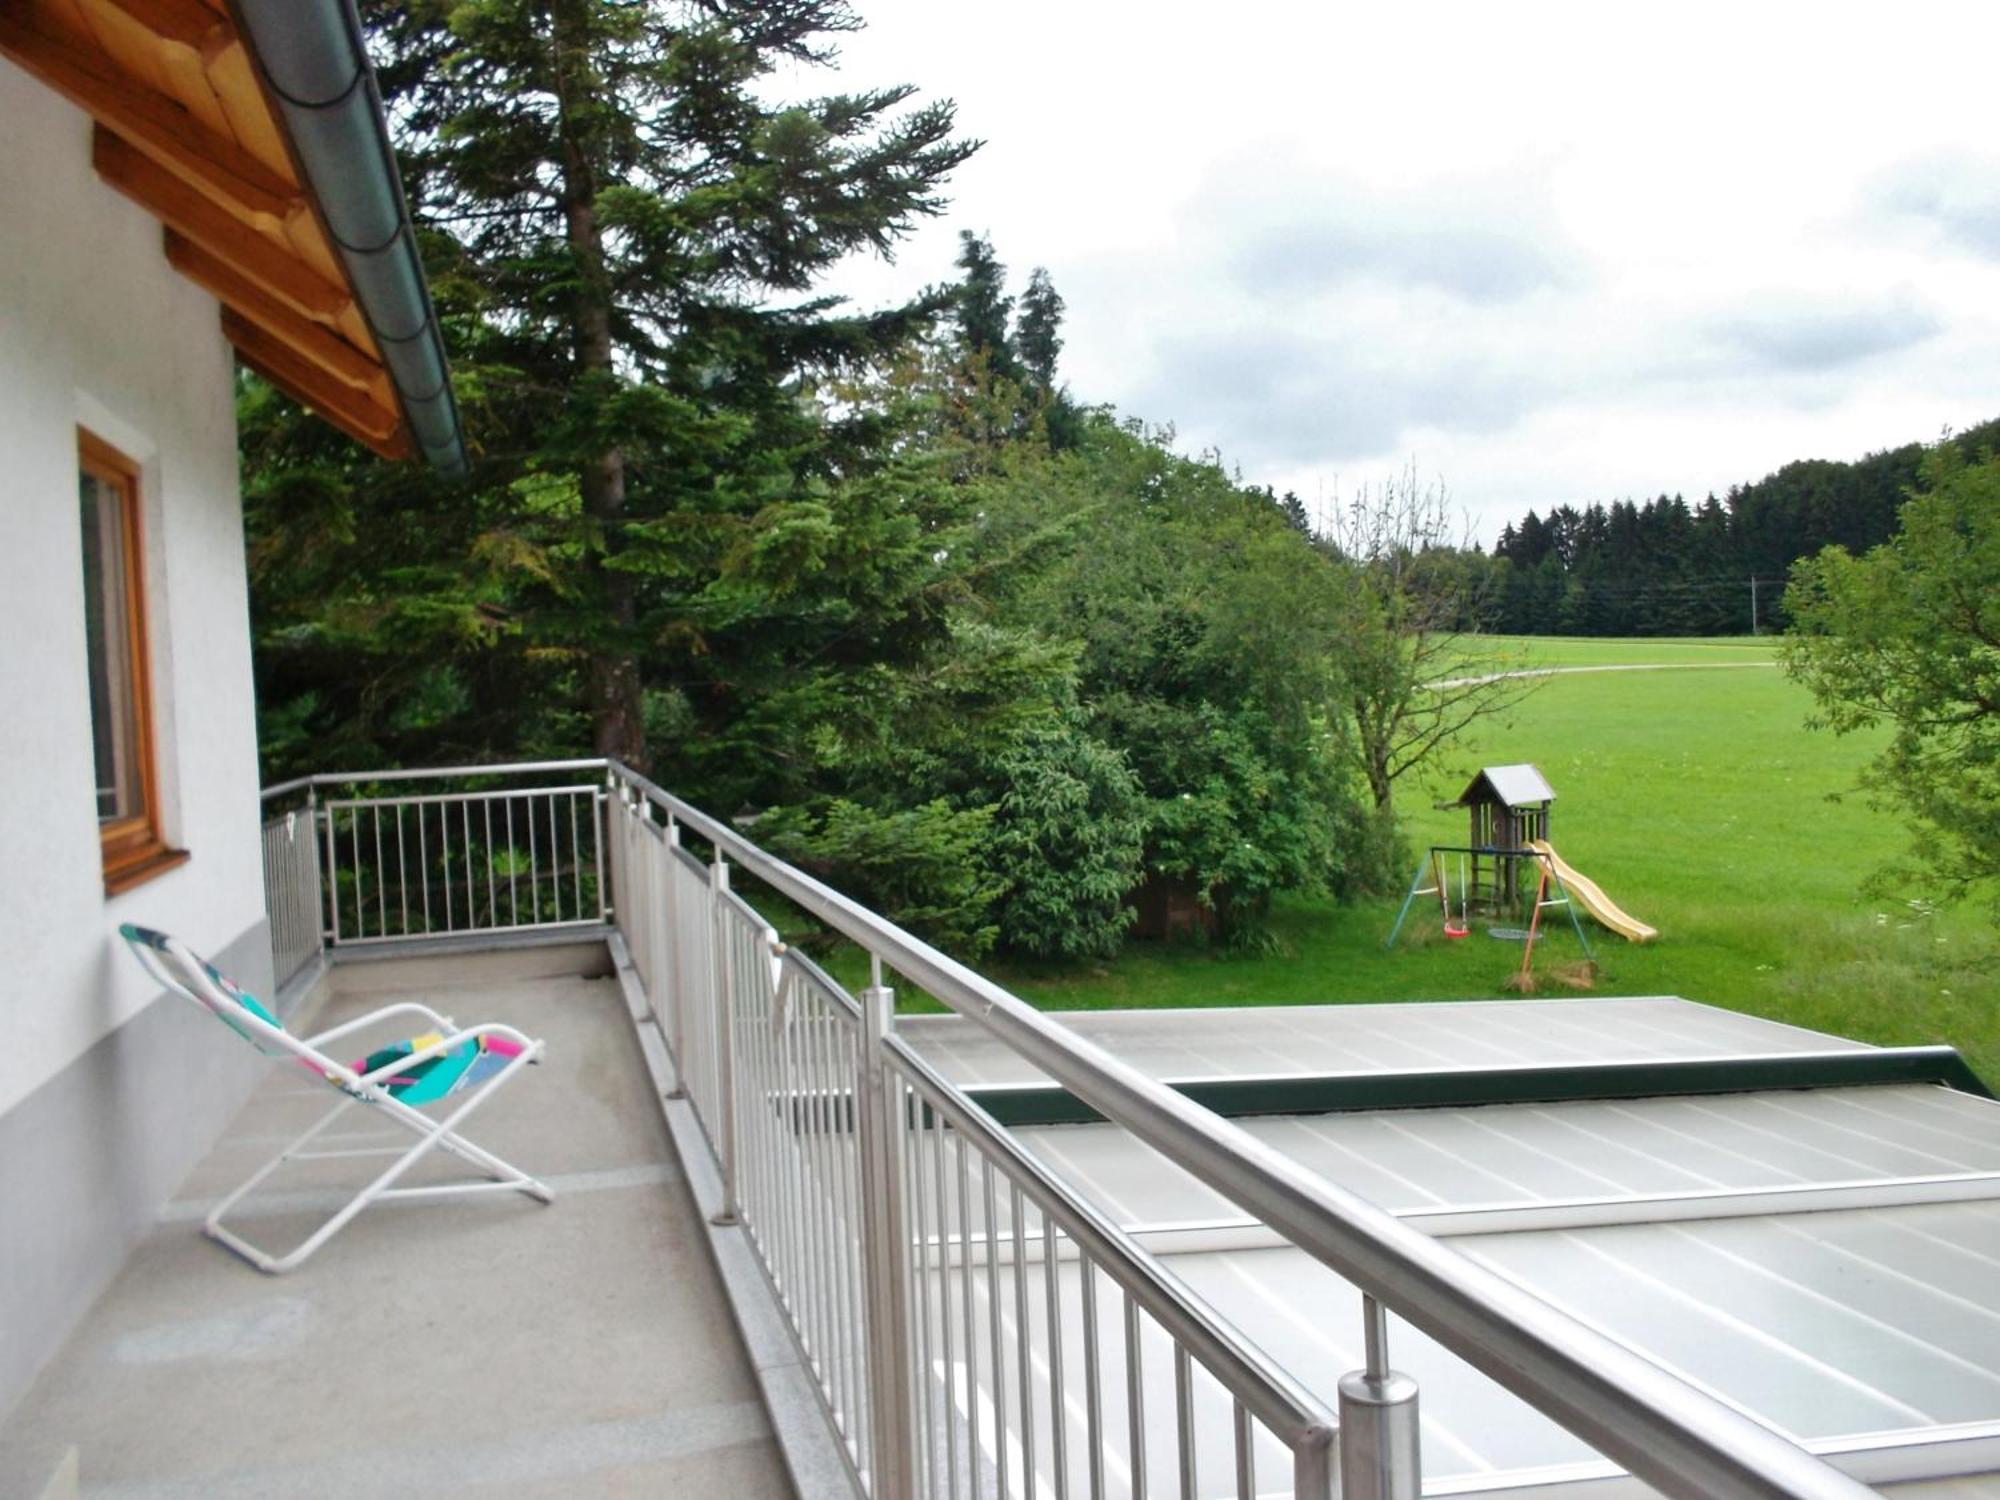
{"type": "Point", "coordinates": [1753, 606]}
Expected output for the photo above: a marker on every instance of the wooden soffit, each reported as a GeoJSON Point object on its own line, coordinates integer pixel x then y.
{"type": "Point", "coordinates": [184, 130]}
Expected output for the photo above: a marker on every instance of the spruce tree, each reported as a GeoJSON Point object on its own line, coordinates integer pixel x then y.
{"type": "Point", "coordinates": [1038, 331]}
{"type": "Point", "coordinates": [984, 306]}
{"type": "Point", "coordinates": [635, 228]}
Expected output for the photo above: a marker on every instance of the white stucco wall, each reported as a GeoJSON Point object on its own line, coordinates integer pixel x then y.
{"type": "Point", "coordinates": [97, 330]}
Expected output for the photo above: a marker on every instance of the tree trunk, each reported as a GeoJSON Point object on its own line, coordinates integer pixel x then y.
{"type": "Point", "coordinates": [617, 699]}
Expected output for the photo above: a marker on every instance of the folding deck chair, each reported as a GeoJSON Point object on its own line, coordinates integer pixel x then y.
{"type": "Point", "coordinates": [447, 1061]}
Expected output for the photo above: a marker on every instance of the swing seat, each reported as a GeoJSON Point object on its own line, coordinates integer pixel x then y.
{"type": "Point", "coordinates": [1508, 934]}
{"type": "Point", "coordinates": [1456, 932]}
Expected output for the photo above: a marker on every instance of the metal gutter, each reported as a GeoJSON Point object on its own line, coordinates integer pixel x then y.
{"type": "Point", "coordinates": [313, 63]}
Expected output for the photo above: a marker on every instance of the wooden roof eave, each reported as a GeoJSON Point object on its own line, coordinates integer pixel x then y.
{"type": "Point", "coordinates": [235, 218]}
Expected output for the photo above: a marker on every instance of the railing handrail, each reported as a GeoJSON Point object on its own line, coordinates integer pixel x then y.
{"type": "Point", "coordinates": [430, 773]}
{"type": "Point", "coordinates": [1663, 1429]}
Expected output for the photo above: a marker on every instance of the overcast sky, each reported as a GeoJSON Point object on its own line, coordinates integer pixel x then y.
{"type": "Point", "coordinates": [1551, 253]}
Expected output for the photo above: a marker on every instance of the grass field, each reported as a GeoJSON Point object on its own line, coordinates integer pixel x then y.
{"type": "Point", "coordinates": [1699, 802]}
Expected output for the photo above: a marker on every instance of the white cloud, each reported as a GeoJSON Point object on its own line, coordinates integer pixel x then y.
{"type": "Point", "coordinates": [1559, 252]}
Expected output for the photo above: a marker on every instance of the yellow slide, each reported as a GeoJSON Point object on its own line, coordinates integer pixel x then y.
{"type": "Point", "coordinates": [1586, 893]}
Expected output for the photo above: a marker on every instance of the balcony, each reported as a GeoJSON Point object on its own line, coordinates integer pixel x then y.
{"type": "Point", "coordinates": [804, 1243]}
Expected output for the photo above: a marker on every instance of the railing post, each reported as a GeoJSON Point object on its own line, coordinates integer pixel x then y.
{"type": "Point", "coordinates": [600, 829]}
{"type": "Point", "coordinates": [884, 1255]}
{"type": "Point", "coordinates": [1380, 1457]}
{"type": "Point", "coordinates": [331, 935]}
{"type": "Point", "coordinates": [671, 988]}
{"type": "Point", "coordinates": [722, 972]}
{"type": "Point", "coordinates": [317, 901]}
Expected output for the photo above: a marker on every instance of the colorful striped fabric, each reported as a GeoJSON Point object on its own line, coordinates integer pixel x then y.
{"type": "Point", "coordinates": [136, 935]}
{"type": "Point", "coordinates": [469, 1063]}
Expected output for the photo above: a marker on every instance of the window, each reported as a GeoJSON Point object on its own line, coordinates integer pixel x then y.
{"type": "Point", "coordinates": [121, 721]}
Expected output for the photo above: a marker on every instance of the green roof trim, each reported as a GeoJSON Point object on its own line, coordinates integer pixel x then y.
{"type": "Point", "coordinates": [1459, 1088]}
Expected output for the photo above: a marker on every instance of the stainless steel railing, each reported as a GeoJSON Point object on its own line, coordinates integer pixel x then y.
{"type": "Point", "coordinates": [922, 1419]}
{"type": "Point", "coordinates": [376, 867]}
{"type": "Point", "coordinates": [975, 1328]}
{"type": "Point", "coordinates": [961, 1308]}
{"type": "Point", "coordinates": [292, 898]}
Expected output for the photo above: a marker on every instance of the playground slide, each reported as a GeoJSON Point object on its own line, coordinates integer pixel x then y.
{"type": "Point", "coordinates": [1586, 893]}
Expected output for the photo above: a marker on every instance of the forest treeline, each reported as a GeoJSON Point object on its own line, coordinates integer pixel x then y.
{"type": "Point", "coordinates": [1664, 567]}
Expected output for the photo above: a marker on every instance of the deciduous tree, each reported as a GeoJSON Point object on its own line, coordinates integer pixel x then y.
{"type": "Point", "coordinates": [1908, 637]}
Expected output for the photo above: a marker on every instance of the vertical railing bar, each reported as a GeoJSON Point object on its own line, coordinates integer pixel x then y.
{"type": "Point", "coordinates": [534, 865]}
{"type": "Point", "coordinates": [600, 805]}
{"type": "Point", "coordinates": [1052, 1299]}
{"type": "Point", "coordinates": [492, 879]}
{"type": "Point", "coordinates": [402, 870]}
{"type": "Point", "coordinates": [804, 1245]}
{"type": "Point", "coordinates": [674, 988]}
{"type": "Point", "coordinates": [813, 1225]}
{"type": "Point", "coordinates": [576, 859]}
{"type": "Point", "coordinates": [840, 1208]}
{"type": "Point", "coordinates": [929, 1273]}
{"type": "Point", "coordinates": [778, 1234]}
{"type": "Point", "coordinates": [813, 1230]}
{"type": "Point", "coordinates": [360, 892]}
{"type": "Point", "coordinates": [513, 868]}
{"type": "Point", "coordinates": [991, 1205]}
{"type": "Point", "coordinates": [972, 1405]}
{"type": "Point", "coordinates": [1023, 1337]}
{"type": "Point", "coordinates": [722, 1001]}
{"type": "Point", "coordinates": [952, 1403]}
{"type": "Point", "coordinates": [1184, 1419]}
{"type": "Point", "coordinates": [471, 899]}
{"type": "Point", "coordinates": [1246, 1453]}
{"type": "Point", "coordinates": [1093, 1390]}
{"type": "Point", "coordinates": [333, 872]}
{"type": "Point", "coordinates": [555, 858]}
{"type": "Point", "coordinates": [381, 880]}
{"type": "Point", "coordinates": [424, 866]}
{"type": "Point", "coordinates": [919, 1262]}
{"type": "Point", "coordinates": [848, 1041]}
{"type": "Point", "coordinates": [1135, 1398]}
{"type": "Point", "coordinates": [801, 1246]}
{"type": "Point", "coordinates": [450, 879]}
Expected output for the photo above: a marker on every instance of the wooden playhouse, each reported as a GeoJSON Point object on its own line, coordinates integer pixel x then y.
{"type": "Point", "coordinates": [1510, 808]}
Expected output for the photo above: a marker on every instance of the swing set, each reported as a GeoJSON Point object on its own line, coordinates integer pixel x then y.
{"type": "Point", "coordinates": [1549, 894]}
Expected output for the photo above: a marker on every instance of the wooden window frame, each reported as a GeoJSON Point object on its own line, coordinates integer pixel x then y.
{"type": "Point", "coordinates": [133, 848]}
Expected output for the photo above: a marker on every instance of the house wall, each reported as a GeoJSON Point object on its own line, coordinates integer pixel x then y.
{"type": "Point", "coordinates": [108, 1093]}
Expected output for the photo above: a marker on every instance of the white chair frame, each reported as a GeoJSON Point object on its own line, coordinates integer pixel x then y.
{"type": "Point", "coordinates": [179, 969]}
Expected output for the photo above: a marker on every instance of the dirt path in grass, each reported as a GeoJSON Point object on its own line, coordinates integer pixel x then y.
{"type": "Point", "coordinates": [1630, 666]}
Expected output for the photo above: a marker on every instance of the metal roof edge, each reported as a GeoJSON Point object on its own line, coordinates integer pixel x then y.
{"type": "Point", "coordinates": [1464, 1087]}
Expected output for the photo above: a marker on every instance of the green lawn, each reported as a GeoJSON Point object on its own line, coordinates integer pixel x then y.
{"type": "Point", "coordinates": [1585, 651]}
{"type": "Point", "coordinates": [1699, 802]}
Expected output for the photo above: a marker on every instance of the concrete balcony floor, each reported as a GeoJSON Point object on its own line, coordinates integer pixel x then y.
{"type": "Point", "coordinates": [489, 1344]}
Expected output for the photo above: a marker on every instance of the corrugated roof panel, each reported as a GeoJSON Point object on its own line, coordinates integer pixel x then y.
{"type": "Point", "coordinates": [1808, 1321]}
{"type": "Point", "coordinates": [1511, 1154]}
